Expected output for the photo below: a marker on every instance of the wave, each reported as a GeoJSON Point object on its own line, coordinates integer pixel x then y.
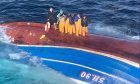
{"type": "Point", "coordinates": [3, 37]}
{"type": "Point", "coordinates": [113, 31]}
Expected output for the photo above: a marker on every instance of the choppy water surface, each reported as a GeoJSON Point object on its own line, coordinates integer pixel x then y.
{"type": "Point", "coordinates": [19, 67]}
{"type": "Point", "coordinates": [117, 18]}
{"type": "Point", "coordinates": [15, 73]}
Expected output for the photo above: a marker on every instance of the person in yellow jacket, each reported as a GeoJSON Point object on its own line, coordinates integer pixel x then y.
{"type": "Point", "coordinates": [67, 24]}
{"type": "Point", "coordinates": [62, 24]}
{"type": "Point", "coordinates": [84, 26]}
{"type": "Point", "coordinates": [72, 25]}
{"type": "Point", "coordinates": [78, 26]}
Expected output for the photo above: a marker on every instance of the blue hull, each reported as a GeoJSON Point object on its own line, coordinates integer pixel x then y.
{"type": "Point", "coordinates": [86, 66]}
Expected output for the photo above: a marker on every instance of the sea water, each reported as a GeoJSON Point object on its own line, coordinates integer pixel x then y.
{"type": "Point", "coordinates": [18, 67]}
{"type": "Point", "coordinates": [116, 18]}
{"type": "Point", "coordinates": [17, 73]}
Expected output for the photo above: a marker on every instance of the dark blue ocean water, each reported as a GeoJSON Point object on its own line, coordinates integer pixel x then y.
{"type": "Point", "coordinates": [117, 18]}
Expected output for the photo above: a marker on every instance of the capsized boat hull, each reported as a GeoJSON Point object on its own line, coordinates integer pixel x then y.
{"type": "Point", "coordinates": [87, 66]}
{"type": "Point", "coordinates": [104, 59]}
{"type": "Point", "coordinates": [28, 33]}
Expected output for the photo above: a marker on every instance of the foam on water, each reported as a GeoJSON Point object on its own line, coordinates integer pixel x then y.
{"type": "Point", "coordinates": [18, 73]}
{"type": "Point", "coordinates": [18, 67]}
{"type": "Point", "coordinates": [112, 31]}
{"type": "Point", "coordinates": [3, 37]}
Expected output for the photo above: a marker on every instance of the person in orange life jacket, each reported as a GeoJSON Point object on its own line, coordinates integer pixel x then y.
{"type": "Point", "coordinates": [72, 25]}
{"type": "Point", "coordinates": [78, 25]}
{"type": "Point", "coordinates": [52, 17]}
{"type": "Point", "coordinates": [84, 26]}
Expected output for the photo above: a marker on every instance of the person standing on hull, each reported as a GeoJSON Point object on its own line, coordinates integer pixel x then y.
{"type": "Point", "coordinates": [52, 18]}
{"type": "Point", "coordinates": [78, 25]}
{"type": "Point", "coordinates": [84, 26]}
{"type": "Point", "coordinates": [67, 24]}
{"type": "Point", "coordinates": [62, 23]}
{"type": "Point", "coordinates": [59, 15]}
{"type": "Point", "coordinates": [72, 25]}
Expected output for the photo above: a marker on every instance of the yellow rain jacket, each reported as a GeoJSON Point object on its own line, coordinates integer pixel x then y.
{"type": "Point", "coordinates": [72, 29]}
{"type": "Point", "coordinates": [78, 27]}
{"type": "Point", "coordinates": [67, 25]}
{"type": "Point", "coordinates": [62, 25]}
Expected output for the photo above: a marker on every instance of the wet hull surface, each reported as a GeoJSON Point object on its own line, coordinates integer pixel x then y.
{"type": "Point", "coordinates": [106, 64]}
{"type": "Point", "coordinates": [85, 66]}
